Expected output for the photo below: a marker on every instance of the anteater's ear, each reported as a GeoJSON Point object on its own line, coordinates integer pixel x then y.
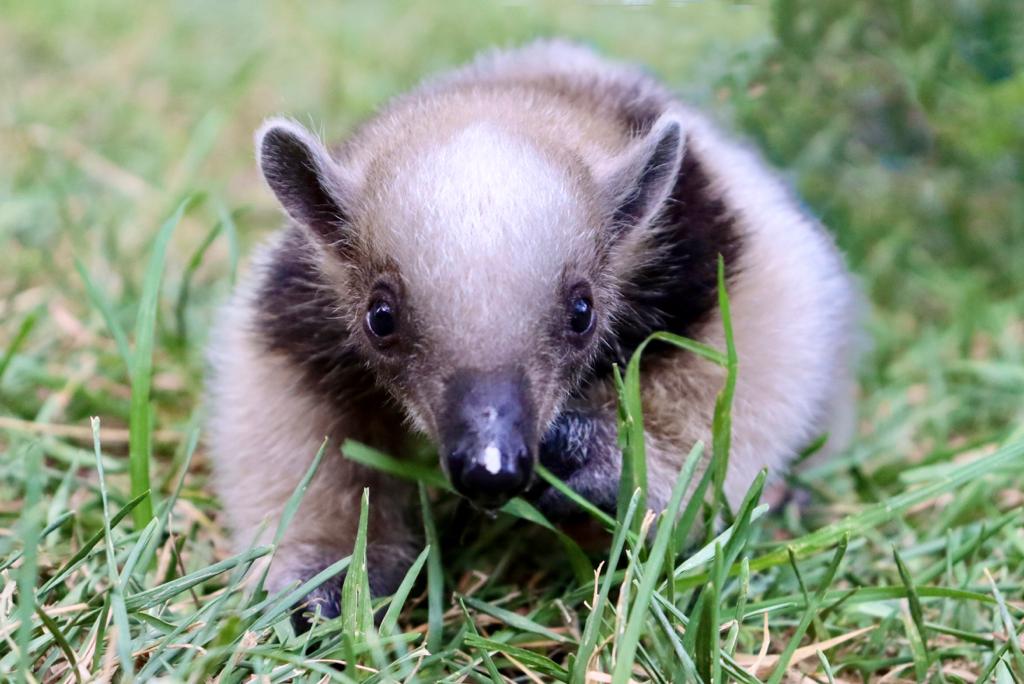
{"type": "Point", "coordinates": [639, 182]}
{"type": "Point", "coordinates": [310, 185]}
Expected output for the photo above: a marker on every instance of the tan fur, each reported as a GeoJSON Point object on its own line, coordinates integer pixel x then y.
{"type": "Point", "coordinates": [793, 309]}
{"type": "Point", "coordinates": [425, 198]}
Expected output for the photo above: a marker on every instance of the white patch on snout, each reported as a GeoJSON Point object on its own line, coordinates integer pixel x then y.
{"type": "Point", "coordinates": [492, 459]}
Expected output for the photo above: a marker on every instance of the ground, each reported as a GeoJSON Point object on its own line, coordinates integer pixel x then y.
{"type": "Point", "coordinates": [901, 125]}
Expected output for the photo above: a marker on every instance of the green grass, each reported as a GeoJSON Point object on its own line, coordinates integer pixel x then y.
{"type": "Point", "coordinates": [899, 122]}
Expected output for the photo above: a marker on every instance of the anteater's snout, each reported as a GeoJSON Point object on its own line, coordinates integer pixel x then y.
{"type": "Point", "coordinates": [487, 434]}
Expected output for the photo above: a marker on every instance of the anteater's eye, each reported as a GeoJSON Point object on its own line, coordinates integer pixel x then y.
{"type": "Point", "coordinates": [380, 318]}
{"type": "Point", "coordinates": [581, 315]}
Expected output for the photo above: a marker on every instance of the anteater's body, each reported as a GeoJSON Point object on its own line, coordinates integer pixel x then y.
{"type": "Point", "coordinates": [469, 265]}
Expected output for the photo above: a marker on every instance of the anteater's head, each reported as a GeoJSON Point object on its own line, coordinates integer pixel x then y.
{"type": "Point", "coordinates": [478, 273]}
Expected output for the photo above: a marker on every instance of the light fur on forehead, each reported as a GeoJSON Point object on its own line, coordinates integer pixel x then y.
{"type": "Point", "coordinates": [481, 226]}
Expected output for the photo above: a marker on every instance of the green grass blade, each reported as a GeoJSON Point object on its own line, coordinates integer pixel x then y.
{"type": "Point", "coordinates": [871, 595]}
{"type": "Point", "coordinates": [698, 348]}
{"type": "Point", "coordinates": [632, 434]}
{"type": "Point", "coordinates": [168, 590]}
{"type": "Point", "coordinates": [721, 423]}
{"type": "Point", "coordinates": [277, 607]}
{"type": "Point", "coordinates": [592, 627]}
{"type": "Point", "coordinates": [292, 507]}
{"type": "Point", "coordinates": [114, 327]}
{"type": "Point", "coordinates": [987, 530]}
{"type": "Point", "coordinates": [73, 562]}
{"type": "Point", "coordinates": [147, 537]}
{"type": "Point", "coordinates": [514, 620]}
{"type": "Point", "coordinates": [167, 506]}
{"type": "Point", "coordinates": [630, 640]}
{"type": "Point", "coordinates": [685, 526]}
{"type": "Point", "coordinates": [405, 469]}
{"type": "Point", "coordinates": [541, 664]}
{"type": "Point", "coordinates": [630, 407]}
{"type": "Point", "coordinates": [827, 667]}
{"type": "Point", "coordinates": [744, 588]}
{"type": "Point", "coordinates": [62, 641]}
{"type": "Point", "coordinates": [1012, 638]}
{"type": "Point", "coordinates": [919, 640]}
{"type": "Point", "coordinates": [485, 655]}
{"type": "Point", "coordinates": [435, 577]}
{"type": "Point", "coordinates": [226, 218]}
{"type": "Point", "coordinates": [741, 530]}
{"type": "Point", "coordinates": [685, 522]}
{"type": "Point", "coordinates": [704, 640]}
{"type": "Point", "coordinates": [172, 637]}
{"type": "Point", "coordinates": [723, 551]}
{"type": "Point", "coordinates": [295, 500]}
{"type": "Point", "coordinates": [30, 525]}
{"type": "Point", "coordinates": [356, 611]}
{"type": "Point", "coordinates": [626, 480]}
{"type": "Point", "coordinates": [389, 623]}
{"type": "Point", "coordinates": [100, 629]}
{"type": "Point", "coordinates": [809, 613]}
{"type": "Point", "coordinates": [117, 600]}
{"type": "Point", "coordinates": [185, 287]}
{"type": "Point", "coordinates": [20, 336]}
{"type": "Point", "coordinates": [546, 475]}
{"type": "Point", "coordinates": [685, 662]}
{"type": "Point", "coordinates": [998, 658]}
{"type": "Point", "coordinates": [142, 367]}
{"type": "Point", "coordinates": [706, 553]}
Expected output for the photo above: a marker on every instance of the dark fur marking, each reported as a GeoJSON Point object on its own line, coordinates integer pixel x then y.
{"type": "Point", "coordinates": [677, 291]}
{"type": "Point", "coordinates": [298, 317]}
{"type": "Point", "coordinates": [636, 103]}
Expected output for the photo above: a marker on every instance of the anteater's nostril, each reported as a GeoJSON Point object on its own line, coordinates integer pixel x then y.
{"type": "Point", "coordinates": [455, 461]}
{"type": "Point", "coordinates": [490, 477]}
{"type": "Point", "coordinates": [477, 478]}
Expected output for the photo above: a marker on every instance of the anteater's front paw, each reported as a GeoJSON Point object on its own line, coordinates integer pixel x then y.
{"type": "Point", "coordinates": [580, 449]}
{"type": "Point", "coordinates": [386, 567]}
{"type": "Point", "coordinates": [324, 601]}
{"type": "Point", "coordinates": [566, 445]}
{"type": "Point", "coordinates": [595, 482]}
